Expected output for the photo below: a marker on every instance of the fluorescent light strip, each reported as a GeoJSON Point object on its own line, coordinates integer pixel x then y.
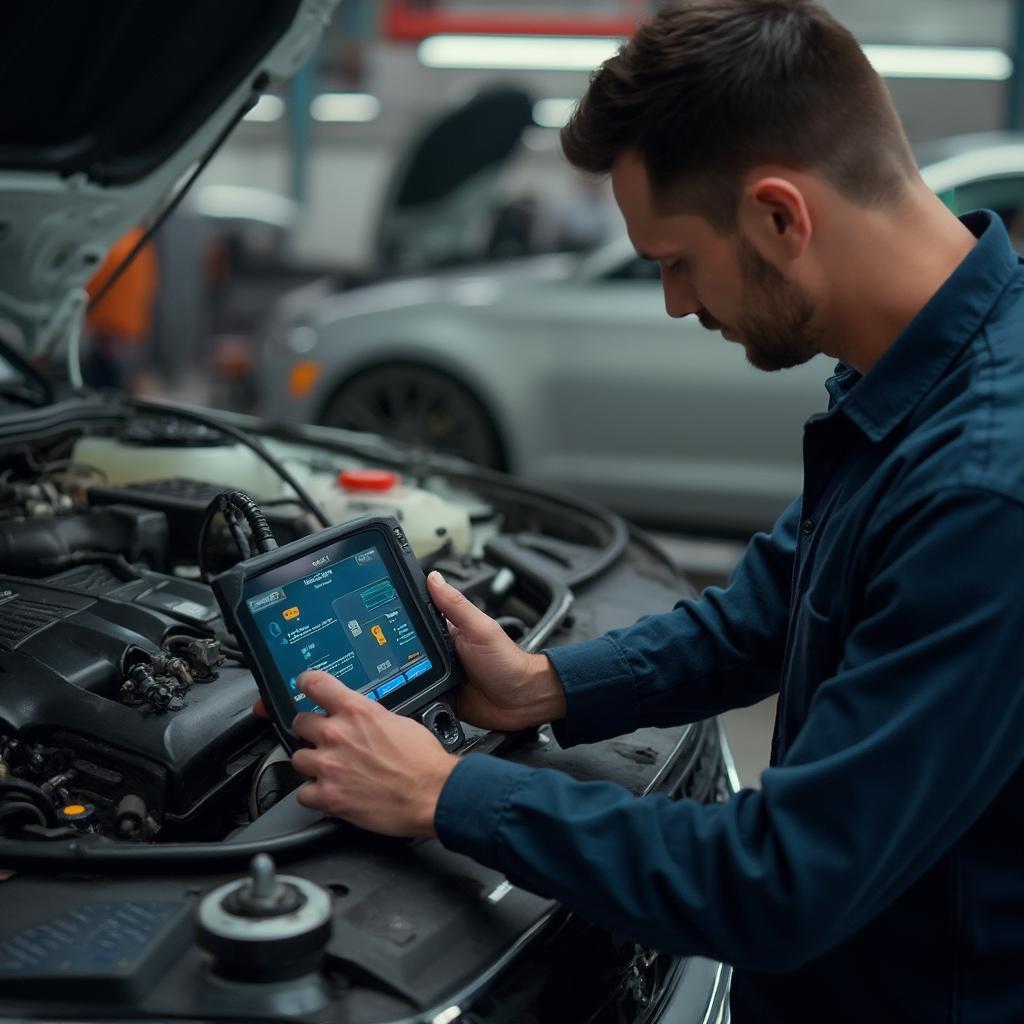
{"type": "Point", "coordinates": [584, 53]}
{"type": "Point", "coordinates": [531, 53]}
{"type": "Point", "coordinates": [942, 62]}
{"type": "Point", "coordinates": [552, 113]}
{"type": "Point", "coordinates": [268, 108]}
{"type": "Point", "coordinates": [345, 106]}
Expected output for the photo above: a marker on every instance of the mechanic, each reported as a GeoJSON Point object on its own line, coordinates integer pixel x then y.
{"type": "Point", "coordinates": [877, 874]}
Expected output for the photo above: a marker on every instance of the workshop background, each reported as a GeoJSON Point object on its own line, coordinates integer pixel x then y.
{"type": "Point", "coordinates": [392, 241]}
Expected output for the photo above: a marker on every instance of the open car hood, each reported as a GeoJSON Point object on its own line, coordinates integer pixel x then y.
{"type": "Point", "coordinates": [114, 108]}
{"type": "Point", "coordinates": [446, 177]}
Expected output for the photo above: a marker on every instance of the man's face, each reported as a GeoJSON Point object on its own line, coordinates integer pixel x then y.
{"type": "Point", "coordinates": [722, 280]}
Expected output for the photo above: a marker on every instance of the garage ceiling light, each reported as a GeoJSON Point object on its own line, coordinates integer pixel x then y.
{"type": "Point", "coordinates": [968, 62]}
{"type": "Point", "coordinates": [531, 53]}
{"type": "Point", "coordinates": [584, 53]}
{"type": "Point", "coordinates": [345, 106]}
{"type": "Point", "coordinates": [268, 108]}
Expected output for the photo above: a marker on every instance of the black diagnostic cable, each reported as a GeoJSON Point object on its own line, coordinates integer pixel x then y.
{"type": "Point", "coordinates": [171, 411]}
{"type": "Point", "coordinates": [235, 506]}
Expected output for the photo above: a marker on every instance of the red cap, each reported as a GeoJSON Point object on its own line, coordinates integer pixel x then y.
{"type": "Point", "coordinates": [368, 479]}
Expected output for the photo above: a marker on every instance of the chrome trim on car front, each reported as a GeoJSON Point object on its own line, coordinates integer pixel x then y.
{"type": "Point", "coordinates": [727, 759]}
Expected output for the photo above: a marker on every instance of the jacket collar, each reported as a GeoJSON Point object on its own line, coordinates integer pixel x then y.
{"type": "Point", "coordinates": [892, 389]}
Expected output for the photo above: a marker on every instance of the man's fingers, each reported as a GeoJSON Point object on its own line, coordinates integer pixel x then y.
{"type": "Point", "coordinates": [326, 691]}
{"type": "Point", "coordinates": [308, 725]}
{"type": "Point", "coordinates": [309, 796]}
{"type": "Point", "coordinates": [259, 709]}
{"type": "Point", "coordinates": [456, 608]}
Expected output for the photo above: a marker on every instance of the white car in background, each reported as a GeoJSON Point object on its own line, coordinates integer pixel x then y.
{"type": "Point", "coordinates": [567, 371]}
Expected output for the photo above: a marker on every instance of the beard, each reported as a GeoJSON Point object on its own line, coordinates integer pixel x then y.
{"type": "Point", "coordinates": [778, 328]}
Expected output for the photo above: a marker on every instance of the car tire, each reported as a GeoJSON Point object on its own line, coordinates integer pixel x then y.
{"type": "Point", "coordinates": [417, 405]}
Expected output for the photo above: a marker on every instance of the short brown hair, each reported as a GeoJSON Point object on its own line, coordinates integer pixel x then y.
{"type": "Point", "coordinates": [709, 89]}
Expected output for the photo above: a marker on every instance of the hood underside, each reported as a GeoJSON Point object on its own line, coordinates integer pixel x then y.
{"type": "Point", "coordinates": [116, 102]}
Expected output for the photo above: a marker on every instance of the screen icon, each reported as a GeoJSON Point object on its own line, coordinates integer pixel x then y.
{"type": "Point", "coordinates": [378, 593]}
{"type": "Point", "coordinates": [275, 628]}
{"type": "Point", "coordinates": [291, 613]}
{"type": "Point", "coordinates": [379, 635]}
{"type": "Point", "coordinates": [354, 628]}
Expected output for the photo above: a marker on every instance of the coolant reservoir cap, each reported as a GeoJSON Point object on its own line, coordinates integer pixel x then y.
{"type": "Point", "coordinates": [368, 479]}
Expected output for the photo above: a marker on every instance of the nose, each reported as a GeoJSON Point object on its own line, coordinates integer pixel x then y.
{"type": "Point", "coordinates": [680, 300]}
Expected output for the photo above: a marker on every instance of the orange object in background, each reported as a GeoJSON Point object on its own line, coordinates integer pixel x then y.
{"type": "Point", "coordinates": [303, 377]}
{"type": "Point", "coordinates": [126, 311]}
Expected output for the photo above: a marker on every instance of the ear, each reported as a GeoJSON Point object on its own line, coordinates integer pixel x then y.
{"type": "Point", "coordinates": [773, 214]}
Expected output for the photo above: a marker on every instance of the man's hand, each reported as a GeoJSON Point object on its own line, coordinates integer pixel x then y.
{"type": "Point", "coordinates": [506, 688]}
{"type": "Point", "coordinates": [380, 771]}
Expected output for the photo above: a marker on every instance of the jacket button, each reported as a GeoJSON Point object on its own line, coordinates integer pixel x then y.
{"type": "Point", "coordinates": [806, 527]}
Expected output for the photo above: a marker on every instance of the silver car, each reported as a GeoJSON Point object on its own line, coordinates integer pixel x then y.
{"type": "Point", "coordinates": [567, 371]}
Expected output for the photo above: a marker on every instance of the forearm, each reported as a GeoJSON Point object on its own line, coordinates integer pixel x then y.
{"type": "Point", "coordinates": [705, 656]}
{"type": "Point", "coordinates": [683, 878]}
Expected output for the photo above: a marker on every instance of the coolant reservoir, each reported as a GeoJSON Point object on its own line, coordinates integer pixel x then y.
{"type": "Point", "coordinates": [229, 464]}
{"type": "Point", "coordinates": [428, 520]}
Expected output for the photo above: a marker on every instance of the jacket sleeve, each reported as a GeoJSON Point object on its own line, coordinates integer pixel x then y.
{"type": "Point", "coordinates": [703, 657]}
{"type": "Point", "coordinates": [902, 749]}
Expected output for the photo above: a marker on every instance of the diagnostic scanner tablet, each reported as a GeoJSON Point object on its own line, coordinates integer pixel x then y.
{"type": "Point", "coordinates": [352, 601]}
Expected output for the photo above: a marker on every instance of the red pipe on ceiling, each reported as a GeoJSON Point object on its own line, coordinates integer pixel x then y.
{"type": "Point", "coordinates": [404, 23]}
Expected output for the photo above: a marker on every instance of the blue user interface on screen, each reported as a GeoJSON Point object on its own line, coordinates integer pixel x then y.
{"type": "Point", "coordinates": [346, 619]}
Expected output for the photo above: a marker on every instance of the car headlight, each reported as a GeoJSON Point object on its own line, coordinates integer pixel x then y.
{"type": "Point", "coordinates": [301, 338]}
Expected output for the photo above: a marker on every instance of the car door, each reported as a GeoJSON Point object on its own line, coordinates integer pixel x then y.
{"type": "Point", "coordinates": [661, 419]}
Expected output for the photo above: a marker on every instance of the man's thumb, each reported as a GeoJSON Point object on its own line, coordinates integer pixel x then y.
{"type": "Point", "coordinates": [455, 606]}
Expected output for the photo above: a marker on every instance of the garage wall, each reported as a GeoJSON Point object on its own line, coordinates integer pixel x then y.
{"type": "Point", "coordinates": [350, 164]}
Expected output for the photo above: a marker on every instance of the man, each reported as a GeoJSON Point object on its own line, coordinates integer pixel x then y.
{"type": "Point", "coordinates": [877, 873]}
{"type": "Point", "coordinates": [121, 323]}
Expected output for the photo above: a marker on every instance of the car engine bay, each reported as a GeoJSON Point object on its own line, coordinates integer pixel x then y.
{"type": "Point", "coordinates": [129, 752]}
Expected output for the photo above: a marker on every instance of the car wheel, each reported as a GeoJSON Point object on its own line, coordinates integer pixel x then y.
{"type": "Point", "coordinates": [420, 406]}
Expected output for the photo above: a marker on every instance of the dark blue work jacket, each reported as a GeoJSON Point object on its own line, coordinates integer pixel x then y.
{"type": "Point", "coordinates": [878, 873]}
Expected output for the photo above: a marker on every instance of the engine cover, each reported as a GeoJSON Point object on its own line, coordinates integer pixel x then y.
{"type": "Point", "coordinates": [65, 645]}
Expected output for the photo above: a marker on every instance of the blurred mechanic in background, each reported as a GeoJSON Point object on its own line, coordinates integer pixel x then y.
{"type": "Point", "coordinates": [119, 324]}
{"type": "Point", "coordinates": [876, 875]}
